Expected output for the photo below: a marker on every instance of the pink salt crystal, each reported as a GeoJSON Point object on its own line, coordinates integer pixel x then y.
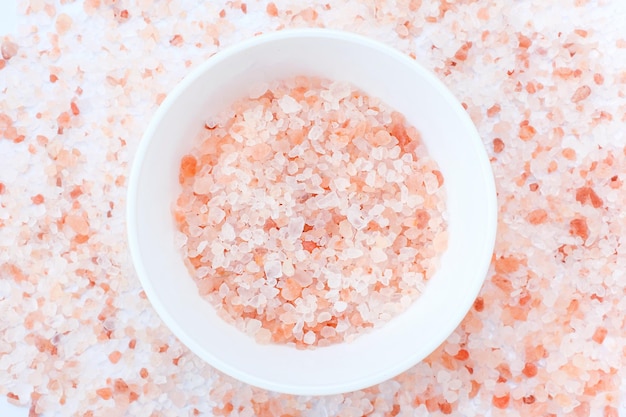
{"type": "Point", "coordinates": [581, 93]}
{"type": "Point", "coordinates": [78, 224]}
{"type": "Point", "coordinates": [271, 9]}
{"type": "Point", "coordinates": [176, 40]}
{"type": "Point", "coordinates": [63, 23]}
{"type": "Point", "coordinates": [8, 49]}
{"type": "Point", "coordinates": [289, 105]}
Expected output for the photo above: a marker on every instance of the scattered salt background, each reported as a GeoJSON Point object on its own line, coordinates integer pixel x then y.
{"type": "Point", "coordinates": [546, 335]}
{"type": "Point", "coordinates": [336, 221]}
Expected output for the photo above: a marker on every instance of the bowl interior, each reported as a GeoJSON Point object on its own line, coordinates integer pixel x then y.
{"type": "Point", "coordinates": [450, 138]}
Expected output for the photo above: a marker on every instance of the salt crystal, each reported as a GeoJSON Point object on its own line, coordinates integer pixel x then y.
{"type": "Point", "coordinates": [354, 217]}
{"type": "Point", "coordinates": [180, 239]}
{"type": "Point", "coordinates": [295, 227]}
{"type": "Point", "coordinates": [341, 183]}
{"type": "Point", "coordinates": [289, 105]}
{"type": "Point", "coordinates": [376, 210]}
{"type": "Point", "coordinates": [263, 336]}
{"type": "Point", "coordinates": [333, 280]}
{"type": "Point", "coordinates": [253, 326]}
{"type": "Point", "coordinates": [353, 253]}
{"type": "Point", "coordinates": [370, 179]}
{"type": "Point", "coordinates": [324, 316]}
{"type": "Point", "coordinates": [216, 215]}
{"type": "Point", "coordinates": [201, 246]}
{"type": "Point", "coordinates": [292, 167]}
{"type": "Point", "coordinates": [273, 269]}
{"type": "Point", "coordinates": [315, 133]}
{"type": "Point", "coordinates": [328, 200]}
{"type": "Point", "coordinates": [340, 90]}
{"type": "Point", "coordinates": [228, 232]}
{"type": "Point", "coordinates": [288, 268]}
{"type": "Point", "coordinates": [345, 229]}
{"type": "Point", "coordinates": [342, 325]}
{"type": "Point", "coordinates": [309, 338]}
{"type": "Point", "coordinates": [217, 248]}
{"type": "Point", "coordinates": [431, 183]}
{"type": "Point", "coordinates": [378, 255]}
{"type": "Point", "coordinates": [202, 185]}
{"type": "Point", "coordinates": [328, 331]}
{"type": "Point", "coordinates": [304, 279]}
{"type": "Point", "coordinates": [340, 306]}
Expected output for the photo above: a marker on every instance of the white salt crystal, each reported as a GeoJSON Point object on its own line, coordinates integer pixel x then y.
{"type": "Point", "coordinates": [354, 217]}
{"type": "Point", "coordinates": [342, 325]}
{"type": "Point", "coordinates": [289, 105]}
{"type": "Point", "coordinates": [370, 179]}
{"type": "Point", "coordinates": [340, 89]}
{"type": "Point", "coordinates": [341, 183]}
{"type": "Point", "coordinates": [329, 200]}
{"type": "Point", "coordinates": [180, 239]}
{"type": "Point", "coordinates": [377, 210]}
{"type": "Point", "coordinates": [292, 167]}
{"type": "Point", "coordinates": [288, 269]}
{"type": "Point", "coordinates": [315, 133]}
{"type": "Point", "coordinates": [297, 329]}
{"type": "Point", "coordinates": [228, 232]}
{"type": "Point", "coordinates": [295, 227]}
{"type": "Point", "coordinates": [216, 215]}
{"type": "Point", "coordinates": [273, 269]}
{"type": "Point", "coordinates": [252, 267]}
{"type": "Point", "coordinates": [253, 326]}
{"type": "Point", "coordinates": [245, 235]}
{"type": "Point", "coordinates": [378, 255]}
{"type": "Point", "coordinates": [378, 153]}
{"type": "Point", "coordinates": [309, 338]}
{"type": "Point", "coordinates": [217, 248]}
{"type": "Point", "coordinates": [201, 246]}
{"type": "Point", "coordinates": [381, 169]}
{"type": "Point", "coordinates": [353, 253]}
{"type": "Point", "coordinates": [340, 306]}
{"type": "Point", "coordinates": [334, 281]}
{"type": "Point", "coordinates": [202, 185]}
{"type": "Point", "coordinates": [223, 290]}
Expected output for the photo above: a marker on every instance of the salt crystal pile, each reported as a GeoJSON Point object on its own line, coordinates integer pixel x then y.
{"type": "Point", "coordinates": [544, 84]}
{"type": "Point", "coordinates": [321, 241]}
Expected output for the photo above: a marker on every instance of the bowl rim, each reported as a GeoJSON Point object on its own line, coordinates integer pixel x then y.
{"type": "Point", "coordinates": [144, 144]}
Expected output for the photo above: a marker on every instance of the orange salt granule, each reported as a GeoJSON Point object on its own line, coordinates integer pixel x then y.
{"type": "Point", "coordinates": [310, 213]}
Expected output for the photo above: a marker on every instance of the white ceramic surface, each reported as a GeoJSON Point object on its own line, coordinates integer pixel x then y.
{"type": "Point", "coordinates": [451, 139]}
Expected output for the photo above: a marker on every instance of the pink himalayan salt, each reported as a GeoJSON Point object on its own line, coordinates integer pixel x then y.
{"type": "Point", "coordinates": [311, 215]}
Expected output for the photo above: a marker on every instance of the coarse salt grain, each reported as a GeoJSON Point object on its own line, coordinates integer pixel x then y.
{"type": "Point", "coordinates": [273, 269]}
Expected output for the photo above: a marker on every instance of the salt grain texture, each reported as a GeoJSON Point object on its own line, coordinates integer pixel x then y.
{"type": "Point", "coordinates": [524, 68]}
{"type": "Point", "coordinates": [337, 221]}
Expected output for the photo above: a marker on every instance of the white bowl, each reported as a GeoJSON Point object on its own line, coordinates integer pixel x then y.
{"type": "Point", "coordinates": [452, 141]}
